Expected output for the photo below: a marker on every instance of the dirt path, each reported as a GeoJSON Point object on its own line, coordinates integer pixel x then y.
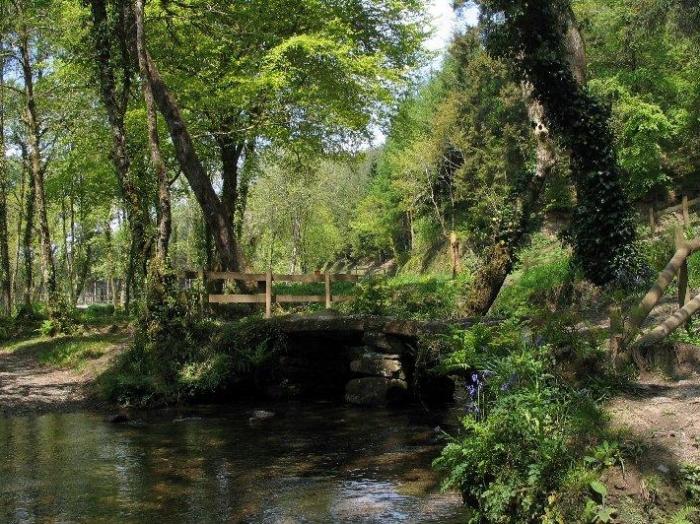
{"type": "Point", "coordinates": [27, 385]}
{"type": "Point", "coordinates": [663, 416]}
{"type": "Point", "coordinates": [666, 415]}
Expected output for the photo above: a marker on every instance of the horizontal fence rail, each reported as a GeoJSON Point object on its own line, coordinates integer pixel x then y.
{"type": "Point", "coordinates": [268, 297]}
{"type": "Point", "coordinates": [683, 207]}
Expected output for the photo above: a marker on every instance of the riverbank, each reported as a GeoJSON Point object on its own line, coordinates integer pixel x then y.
{"type": "Point", "coordinates": [646, 453]}
{"type": "Point", "coordinates": [42, 374]}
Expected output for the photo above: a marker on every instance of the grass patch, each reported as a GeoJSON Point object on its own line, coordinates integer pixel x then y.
{"type": "Point", "coordinates": [71, 352]}
{"type": "Point", "coordinates": [539, 280]}
{"type": "Point", "coordinates": [76, 352]}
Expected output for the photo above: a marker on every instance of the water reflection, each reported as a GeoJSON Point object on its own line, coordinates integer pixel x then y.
{"type": "Point", "coordinates": [310, 463]}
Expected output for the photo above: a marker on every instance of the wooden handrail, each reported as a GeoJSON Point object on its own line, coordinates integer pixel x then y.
{"type": "Point", "coordinates": [268, 298]}
{"type": "Point", "coordinates": [309, 278]}
{"type": "Point", "coordinates": [683, 207]}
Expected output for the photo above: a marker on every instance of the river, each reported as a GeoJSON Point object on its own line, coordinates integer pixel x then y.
{"type": "Point", "coordinates": [311, 462]}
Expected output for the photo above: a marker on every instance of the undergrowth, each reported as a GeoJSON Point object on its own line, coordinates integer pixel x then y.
{"type": "Point", "coordinates": [409, 296]}
{"type": "Point", "coordinates": [192, 358]}
{"type": "Point", "coordinates": [533, 439]}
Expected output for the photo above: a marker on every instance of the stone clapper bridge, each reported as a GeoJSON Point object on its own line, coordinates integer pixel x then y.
{"type": "Point", "coordinates": [366, 360]}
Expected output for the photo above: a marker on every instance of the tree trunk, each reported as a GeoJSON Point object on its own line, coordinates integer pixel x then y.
{"type": "Point", "coordinates": [28, 234]}
{"type": "Point", "coordinates": [215, 213]}
{"type": "Point", "coordinates": [83, 273]}
{"type": "Point", "coordinates": [115, 103]}
{"type": "Point", "coordinates": [164, 212]}
{"type": "Point", "coordinates": [6, 283]}
{"type": "Point", "coordinates": [37, 170]}
{"type": "Point", "coordinates": [500, 258]}
{"type": "Point", "coordinates": [230, 151]}
{"type": "Point", "coordinates": [243, 186]}
{"type": "Point", "coordinates": [68, 252]}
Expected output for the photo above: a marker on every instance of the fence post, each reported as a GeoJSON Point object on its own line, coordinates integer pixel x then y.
{"type": "Point", "coordinates": [683, 297]}
{"type": "Point", "coordinates": [204, 294]}
{"type": "Point", "coordinates": [686, 215]}
{"type": "Point", "coordinates": [268, 294]}
{"type": "Point", "coordinates": [328, 290]}
{"type": "Point", "coordinates": [652, 220]}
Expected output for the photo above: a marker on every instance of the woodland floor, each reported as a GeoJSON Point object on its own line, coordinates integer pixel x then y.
{"type": "Point", "coordinates": [29, 384]}
{"type": "Point", "coordinates": [663, 416]}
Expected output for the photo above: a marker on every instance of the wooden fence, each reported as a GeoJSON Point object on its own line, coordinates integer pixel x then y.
{"type": "Point", "coordinates": [268, 297]}
{"type": "Point", "coordinates": [683, 207]}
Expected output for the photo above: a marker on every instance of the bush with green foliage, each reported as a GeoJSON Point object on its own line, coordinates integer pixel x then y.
{"type": "Point", "coordinates": [177, 354]}
{"type": "Point", "coordinates": [539, 281]}
{"type": "Point", "coordinates": [409, 296]}
{"type": "Point", "coordinates": [525, 427]}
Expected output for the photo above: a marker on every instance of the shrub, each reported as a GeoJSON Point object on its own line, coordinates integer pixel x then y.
{"type": "Point", "coordinates": [409, 296]}
{"type": "Point", "coordinates": [524, 429]}
{"type": "Point", "coordinates": [177, 355]}
{"type": "Point", "coordinates": [539, 281]}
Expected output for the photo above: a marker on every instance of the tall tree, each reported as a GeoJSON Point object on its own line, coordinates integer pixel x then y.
{"type": "Point", "coordinates": [164, 212]}
{"type": "Point", "coordinates": [263, 72]}
{"type": "Point", "coordinates": [515, 227]}
{"type": "Point", "coordinates": [5, 275]}
{"type": "Point", "coordinates": [533, 37]}
{"type": "Point", "coordinates": [27, 237]}
{"type": "Point", "coordinates": [37, 165]}
{"type": "Point", "coordinates": [106, 36]}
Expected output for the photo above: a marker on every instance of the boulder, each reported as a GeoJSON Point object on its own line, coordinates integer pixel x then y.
{"type": "Point", "coordinates": [375, 391]}
{"type": "Point", "coordinates": [378, 365]}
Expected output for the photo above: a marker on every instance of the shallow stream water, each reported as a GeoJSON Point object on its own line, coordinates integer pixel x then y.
{"type": "Point", "coordinates": [312, 463]}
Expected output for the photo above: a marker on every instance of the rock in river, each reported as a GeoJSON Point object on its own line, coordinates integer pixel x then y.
{"type": "Point", "coordinates": [375, 391]}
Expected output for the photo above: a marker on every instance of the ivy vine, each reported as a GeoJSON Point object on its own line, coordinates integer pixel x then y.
{"type": "Point", "coordinates": [531, 35]}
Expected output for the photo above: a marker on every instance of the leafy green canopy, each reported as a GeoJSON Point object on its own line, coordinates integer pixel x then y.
{"type": "Point", "coordinates": [315, 71]}
{"type": "Point", "coordinates": [457, 148]}
{"type": "Point", "coordinates": [642, 60]}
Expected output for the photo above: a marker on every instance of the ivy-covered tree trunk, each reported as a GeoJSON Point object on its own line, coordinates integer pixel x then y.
{"type": "Point", "coordinates": [115, 102]}
{"type": "Point", "coordinates": [515, 228]}
{"type": "Point", "coordinates": [533, 36]}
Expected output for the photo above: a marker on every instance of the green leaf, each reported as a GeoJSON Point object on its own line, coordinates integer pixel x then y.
{"type": "Point", "coordinates": [599, 488]}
